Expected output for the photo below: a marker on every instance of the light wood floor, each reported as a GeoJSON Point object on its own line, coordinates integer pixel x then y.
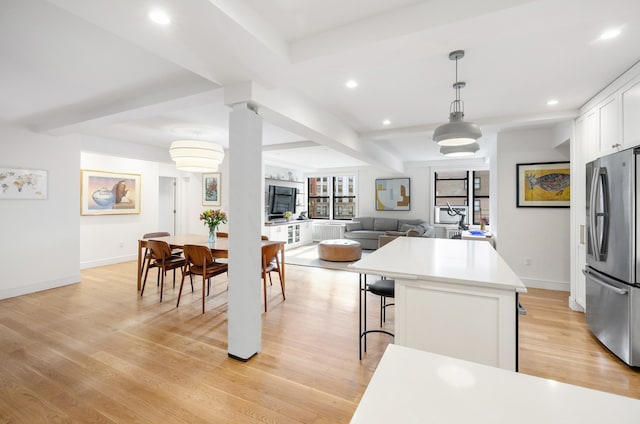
{"type": "Point", "coordinates": [97, 352]}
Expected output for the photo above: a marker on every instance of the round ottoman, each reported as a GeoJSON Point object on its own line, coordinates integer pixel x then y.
{"type": "Point", "coordinates": [339, 250]}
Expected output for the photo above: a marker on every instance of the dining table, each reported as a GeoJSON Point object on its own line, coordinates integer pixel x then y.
{"type": "Point", "coordinates": [219, 248]}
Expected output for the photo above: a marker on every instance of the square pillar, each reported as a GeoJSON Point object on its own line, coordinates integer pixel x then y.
{"type": "Point", "coordinates": [245, 227]}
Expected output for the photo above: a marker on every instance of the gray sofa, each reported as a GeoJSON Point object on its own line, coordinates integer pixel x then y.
{"type": "Point", "coordinates": [367, 230]}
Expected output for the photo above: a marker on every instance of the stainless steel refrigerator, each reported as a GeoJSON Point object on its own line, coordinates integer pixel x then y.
{"type": "Point", "coordinates": [612, 289]}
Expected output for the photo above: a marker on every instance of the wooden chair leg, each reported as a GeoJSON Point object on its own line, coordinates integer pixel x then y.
{"type": "Point", "coordinates": [161, 284]}
{"type": "Point", "coordinates": [144, 282]}
{"type": "Point", "coordinates": [281, 284]}
{"type": "Point", "coordinates": [180, 291]}
{"type": "Point", "coordinates": [203, 283]}
{"type": "Point", "coordinates": [264, 288]}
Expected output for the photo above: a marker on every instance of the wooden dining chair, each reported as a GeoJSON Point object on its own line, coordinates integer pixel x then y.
{"type": "Point", "coordinates": [222, 234]}
{"type": "Point", "coordinates": [146, 259]}
{"type": "Point", "coordinates": [162, 258]}
{"type": "Point", "coordinates": [200, 261]}
{"type": "Point", "coordinates": [271, 263]}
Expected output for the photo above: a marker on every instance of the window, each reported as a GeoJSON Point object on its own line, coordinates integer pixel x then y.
{"type": "Point", "coordinates": [480, 197]}
{"type": "Point", "coordinates": [318, 197]}
{"type": "Point", "coordinates": [332, 197]}
{"type": "Point", "coordinates": [451, 187]}
{"type": "Point", "coordinates": [454, 187]}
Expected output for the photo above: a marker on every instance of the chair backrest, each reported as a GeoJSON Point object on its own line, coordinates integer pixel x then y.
{"type": "Point", "coordinates": [269, 253]}
{"type": "Point", "coordinates": [198, 255]}
{"type": "Point", "coordinates": [264, 238]}
{"type": "Point", "coordinates": [159, 249]}
{"type": "Point", "coordinates": [156, 234]}
{"type": "Point", "coordinates": [222, 234]}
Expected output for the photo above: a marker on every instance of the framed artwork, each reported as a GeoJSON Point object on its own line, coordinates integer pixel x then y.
{"type": "Point", "coordinates": [109, 193]}
{"type": "Point", "coordinates": [393, 194]}
{"type": "Point", "coordinates": [211, 185]}
{"type": "Point", "coordinates": [23, 184]}
{"type": "Point", "coordinates": [543, 185]}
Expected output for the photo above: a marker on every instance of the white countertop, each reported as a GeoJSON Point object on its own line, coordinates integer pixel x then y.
{"type": "Point", "coordinates": [444, 260]}
{"type": "Point", "coordinates": [412, 386]}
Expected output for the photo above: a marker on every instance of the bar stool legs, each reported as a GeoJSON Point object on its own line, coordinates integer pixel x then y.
{"type": "Point", "coordinates": [383, 288]}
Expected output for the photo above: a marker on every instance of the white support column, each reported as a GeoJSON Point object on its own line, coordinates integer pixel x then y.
{"type": "Point", "coordinates": [245, 226]}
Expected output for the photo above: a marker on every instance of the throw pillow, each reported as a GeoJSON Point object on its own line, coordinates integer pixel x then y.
{"type": "Point", "coordinates": [406, 227]}
{"type": "Point", "coordinates": [394, 233]}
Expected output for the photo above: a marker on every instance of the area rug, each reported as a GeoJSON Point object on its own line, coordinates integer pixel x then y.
{"type": "Point", "coordinates": [308, 256]}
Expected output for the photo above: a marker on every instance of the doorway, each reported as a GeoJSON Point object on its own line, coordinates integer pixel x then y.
{"type": "Point", "coordinates": [167, 204]}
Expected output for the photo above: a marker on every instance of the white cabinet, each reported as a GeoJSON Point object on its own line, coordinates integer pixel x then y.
{"type": "Point", "coordinates": [631, 115]}
{"type": "Point", "coordinates": [294, 234]}
{"type": "Point", "coordinates": [590, 142]}
{"type": "Point", "coordinates": [609, 125]}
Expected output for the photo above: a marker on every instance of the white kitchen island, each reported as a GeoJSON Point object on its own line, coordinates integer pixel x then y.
{"type": "Point", "coordinates": [411, 386]}
{"type": "Point", "coordinates": [452, 297]}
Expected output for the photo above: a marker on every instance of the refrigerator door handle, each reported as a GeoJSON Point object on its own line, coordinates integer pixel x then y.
{"type": "Point", "coordinates": [604, 284]}
{"type": "Point", "coordinates": [599, 186]}
{"type": "Point", "coordinates": [591, 233]}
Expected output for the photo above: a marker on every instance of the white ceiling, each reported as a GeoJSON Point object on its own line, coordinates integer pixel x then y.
{"type": "Point", "coordinates": [101, 68]}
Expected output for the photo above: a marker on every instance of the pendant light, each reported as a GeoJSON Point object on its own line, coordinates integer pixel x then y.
{"type": "Point", "coordinates": [457, 132]}
{"type": "Point", "coordinates": [196, 155]}
{"type": "Point", "coordinates": [460, 151]}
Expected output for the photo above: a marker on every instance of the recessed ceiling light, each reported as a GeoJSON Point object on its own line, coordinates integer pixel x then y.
{"type": "Point", "coordinates": [386, 122]}
{"type": "Point", "coordinates": [351, 84]}
{"type": "Point", "coordinates": [160, 17]}
{"type": "Point", "coordinates": [552, 102]}
{"type": "Point", "coordinates": [610, 33]}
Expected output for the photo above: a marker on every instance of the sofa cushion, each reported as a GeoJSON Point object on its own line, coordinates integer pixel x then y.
{"type": "Point", "coordinates": [354, 226]}
{"type": "Point", "coordinates": [362, 235]}
{"type": "Point", "coordinates": [385, 224]}
{"type": "Point", "coordinates": [367, 222]}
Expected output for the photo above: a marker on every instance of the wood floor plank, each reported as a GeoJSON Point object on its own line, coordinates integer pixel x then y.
{"type": "Point", "coordinates": [98, 352]}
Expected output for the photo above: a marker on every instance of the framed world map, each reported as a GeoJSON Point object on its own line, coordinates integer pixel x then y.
{"type": "Point", "coordinates": [23, 184]}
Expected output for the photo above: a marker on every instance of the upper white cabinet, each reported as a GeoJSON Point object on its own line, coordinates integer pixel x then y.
{"type": "Point", "coordinates": [631, 114]}
{"type": "Point", "coordinates": [609, 125]}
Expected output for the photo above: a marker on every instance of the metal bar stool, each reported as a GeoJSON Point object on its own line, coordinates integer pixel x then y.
{"type": "Point", "coordinates": [384, 288]}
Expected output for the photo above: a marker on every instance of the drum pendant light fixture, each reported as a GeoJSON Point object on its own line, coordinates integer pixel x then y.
{"type": "Point", "coordinates": [196, 155]}
{"type": "Point", "coordinates": [457, 132]}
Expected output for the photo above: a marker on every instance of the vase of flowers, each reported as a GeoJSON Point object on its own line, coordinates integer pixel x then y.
{"type": "Point", "coordinates": [212, 219]}
{"type": "Point", "coordinates": [287, 215]}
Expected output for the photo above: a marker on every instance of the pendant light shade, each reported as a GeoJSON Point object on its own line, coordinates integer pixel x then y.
{"type": "Point", "coordinates": [196, 155]}
{"type": "Point", "coordinates": [457, 132]}
{"type": "Point", "coordinates": [460, 150]}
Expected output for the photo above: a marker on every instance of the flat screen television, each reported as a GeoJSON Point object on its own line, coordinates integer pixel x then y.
{"type": "Point", "coordinates": [282, 199]}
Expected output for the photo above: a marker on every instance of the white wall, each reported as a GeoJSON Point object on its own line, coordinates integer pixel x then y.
{"type": "Point", "coordinates": [540, 234]}
{"type": "Point", "coordinates": [40, 238]}
{"type": "Point", "coordinates": [108, 239]}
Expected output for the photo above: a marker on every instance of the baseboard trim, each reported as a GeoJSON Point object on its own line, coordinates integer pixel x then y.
{"type": "Point", "coordinates": [108, 261]}
{"type": "Point", "coordinates": [39, 286]}
{"type": "Point", "coordinates": [547, 284]}
{"type": "Point", "coordinates": [575, 305]}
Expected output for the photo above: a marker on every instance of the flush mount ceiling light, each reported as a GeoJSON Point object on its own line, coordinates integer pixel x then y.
{"type": "Point", "coordinates": [196, 155]}
{"type": "Point", "coordinates": [457, 132]}
{"type": "Point", "coordinates": [159, 16]}
{"type": "Point", "coordinates": [610, 33]}
{"type": "Point", "coordinates": [460, 151]}
{"type": "Point", "coordinates": [351, 84]}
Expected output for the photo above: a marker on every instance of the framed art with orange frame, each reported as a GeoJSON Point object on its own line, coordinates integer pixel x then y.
{"type": "Point", "coordinates": [109, 193]}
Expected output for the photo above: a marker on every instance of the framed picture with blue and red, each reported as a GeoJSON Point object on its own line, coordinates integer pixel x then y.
{"type": "Point", "coordinates": [211, 185]}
